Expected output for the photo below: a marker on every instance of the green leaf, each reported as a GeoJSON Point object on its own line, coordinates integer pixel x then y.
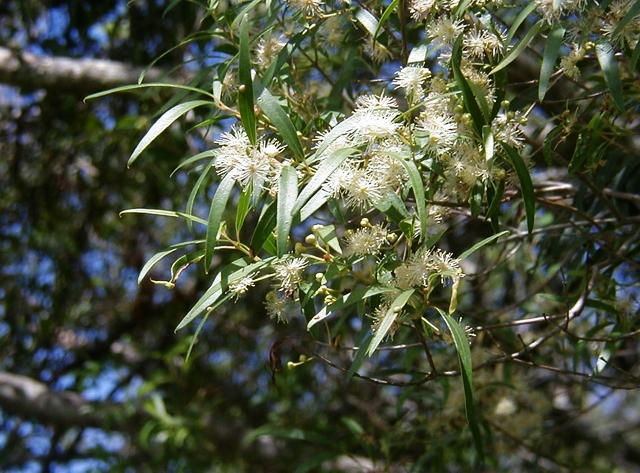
{"type": "Point", "coordinates": [488, 142]}
{"type": "Point", "coordinates": [126, 88]}
{"type": "Point", "coordinates": [526, 185]}
{"type": "Point", "coordinates": [326, 168]}
{"type": "Point", "coordinates": [609, 66]}
{"type": "Point", "coordinates": [551, 52]}
{"type": "Point", "coordinates": [515, 52]}
{"type": "Point", "coordinates": [194, 192]}
{"type": "Point", "coordinates": [193, 159]}
{"type": "Point", "coordinates": [281, 121]}
{"type": "Point", "coordinates": [218, 206]}
{"type": "Point", "coordinates": [462, 7]}
{"type": "Point", "coordinates": [522, 16]}
{"type": "Point", "coordinates": [469, 100]}
{"type": "Point", "coordinates": [162, 124]}
{"type": "Point", "coordinates": [480, 244]}
{"type": "Point", "coordinates": [244, 206]}
{"type": "Point", "coordinates": [229, 274]}
{"type": "Point", "coordinates": [165, 213]}
{"type": "Point", "coordinates": [152, 261]}
{"type": "Point", "coordinates": [464, 357]}
{"type": "Point", "coordinates": [367, 20]}
{"type": "Point", "coordinates": [287, 193]}
{"type": "Point", "coordinates": [245, 92]}
{"type": "Point", "coordinates": [361, 354]}
{"type": "Point", "coordinates": [633, 12]}
{"type": "Point", "coordinates": [266, 223]}
{"type": "Point", "coordinates": [350, 299]}
{"type": "Point", "coordinates": [415, 180]}
{"type": "Point", "coordinates": [385, 16]}
{"type": "Point", "coordinates": [388, 319]}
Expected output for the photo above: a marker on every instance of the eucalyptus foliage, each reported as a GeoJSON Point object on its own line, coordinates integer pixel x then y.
{"type": "Point", "coordinates": [385, 172]}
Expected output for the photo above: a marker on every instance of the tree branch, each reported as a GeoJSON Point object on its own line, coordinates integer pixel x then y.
{"type": "Point", "coordinates": [67, 74]}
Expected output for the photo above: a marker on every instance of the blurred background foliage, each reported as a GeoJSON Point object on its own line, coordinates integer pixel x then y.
{"type": "Point", "coordinates": [93, 378]}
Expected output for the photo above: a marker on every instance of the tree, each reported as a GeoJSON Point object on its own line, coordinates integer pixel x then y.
{"type": "Point", "coordinates": [439, 198]}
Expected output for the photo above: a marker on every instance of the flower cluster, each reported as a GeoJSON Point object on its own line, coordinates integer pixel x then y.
{"type": "Point", "coordinates": [257, 165]}
{"type": "Point", "coordinates": [425, 264]}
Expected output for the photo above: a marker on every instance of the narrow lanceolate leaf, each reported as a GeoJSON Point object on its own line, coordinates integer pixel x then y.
{"type": "Point", "coordinates": [193, 159]}
{"type": "Point", "coordinates": [461, 343]}
{"type": "Point", "coordinates": [462, 7]}
{"type": "Point", "coordinates": [162, 124]}
{"type": "Point", "coordinates": [385, 16]}
{"type": "Point", "coordinates": [367, 20]}
{"type": "Point", "coordinates": [195, 190]}
{"type": "Point", "coordinates": [488, 142]}
{"type": "Point", "coordinates": [470, 103]}
{"type": "Point", "coordinates": [152, 261]}
{"type": "Point", "coordinates": [389, 318]}
{"type": "Point", "coordinates": [633, 12]}
{"type": "Point", "coordinates": [415, 180]}
{"type": "Point", "coordinates": [551, 51]}
{"type": "Point", "coordinates": [482, 243]}
{"type": "Point", "coordinates": [517, 50]}
{"type": "Point", "coordinates": [324, 171]}
{"type": "Point", "coordinates": [522, 16]}
{"type": "Point", "coordinates": [355, 296]}
{"type": "Point", "coordinates": [266, 224]}
{"type": "Point", "coordinates": [218, 206]}
{"type": "Point", "coordinates": [212, 296]}
{"type": "Point", "coordinates": [165, 213]}
{"type": "Point", "coordinates": [609, 66]}
{"type": "Point", "coordinates": [526, 185]}
{"type": "Point", "coordinates": [244, 206]}
{"type": "Point", "coordinates": [276, 114]}
{"type": "Point", "coordinates": [287, 194]}
{"type": "Point", "coordinates": [126, 88]}
{"type": "Point", "coordinates": [245, 92]}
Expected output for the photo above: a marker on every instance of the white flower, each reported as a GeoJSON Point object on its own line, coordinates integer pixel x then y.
{"type": "Point", "coordinates": [411, 79]}
{"type": "Point", "coordinates": [478, 42]}
{"type": "Point", "coordinates": [268, 49]}
{"type": "Point", "coordinates": [425, 263]}
{"type": "Point", "coordinates": [444, 31]}
{"type": "Point", "coordinates": [246, 163]}
{"type": "Point", "coordinates": [366, 241]}
{"type": "Point", "coordinates": [366, 103]}
{"type": "Point", "coordinates": [440, 129]}
{"type": "Point", "coordinates": [420, 9]}
{"type": "Point", "coordinates": [276, 305]}
{"type": "Point", "coordinates": [362, 190]}
{"type": "Point", "coordinates": [241, 286]}
{"type": "Point", "coordinates": [288, 271]}
{"type": "Point", "coordinates": [508, 130]}
{"type": "Point", "coordinates": [308, 7]}
{"type": "Point", "coordinates": [371, 125]}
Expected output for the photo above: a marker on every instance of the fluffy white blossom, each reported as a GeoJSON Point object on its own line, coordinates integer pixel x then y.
{"type": "Point", "coordinates": [240, 287]}
{"type": "Point", "coordinates": [421, 9]}
{"type": "Point", "coordinates": [411, 79]}
{"type": "Point", "coordinates": [425, 263]}
{"type": "Point", "coordinates": [288, 271]}
{"type": "Point", "coordinates": [440, 130]}
{"type": "Point", "coordinates": [444, 31]}
{"type": "Point", "coordinates": [246, 163]}
{"type": "Point", "coordinates": [308, 7]}
{"type": "Point", "coordinates": [366, 241]}
{"type": "Point", "coordinates": [268, 48]}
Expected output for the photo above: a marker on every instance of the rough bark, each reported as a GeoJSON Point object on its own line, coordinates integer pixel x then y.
{"type": "Point", "coordinates": [66, 74]}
